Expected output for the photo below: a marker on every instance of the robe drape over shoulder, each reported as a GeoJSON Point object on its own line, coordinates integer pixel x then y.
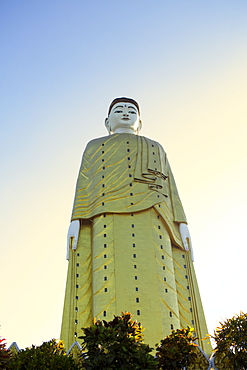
{"type": "Point", "coordinates": [129, 255]}
{"type": "Point", "coordinates": [146, 175]}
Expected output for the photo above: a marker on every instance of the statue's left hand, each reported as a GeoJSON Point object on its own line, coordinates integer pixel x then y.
{"type": "Point", "coordinates": [185, 236]}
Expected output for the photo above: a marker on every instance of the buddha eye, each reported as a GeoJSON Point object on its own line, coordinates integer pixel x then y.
{"type": "Point", "coordinates": [132, 112]}
{"type": "Point", "coordinates": [118, 111]}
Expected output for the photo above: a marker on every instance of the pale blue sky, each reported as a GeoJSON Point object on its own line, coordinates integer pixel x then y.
{"type": "Point", "coordinates": [62, 62]}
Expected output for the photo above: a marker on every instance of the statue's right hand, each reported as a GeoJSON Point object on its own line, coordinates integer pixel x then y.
{"type": "Point", "coordinates": [73, 233]}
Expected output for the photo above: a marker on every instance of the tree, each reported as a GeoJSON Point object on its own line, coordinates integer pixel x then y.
{"type": "Point", "coordinates": [177, 350]}
{"type": "Point", "coordinates": [50, 355]}
{"type": "Point", "coordinates": [231, 341]}
{"type": "Point", "coordinates": [4, 355]}
{"type": "Point", "coordinates": [117, 344]}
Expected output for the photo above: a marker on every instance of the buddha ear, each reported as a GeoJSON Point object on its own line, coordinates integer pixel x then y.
{"type": "Point", "coordinates": [139, 126]}
{"type": "Point", "coordinates": [107, 125]}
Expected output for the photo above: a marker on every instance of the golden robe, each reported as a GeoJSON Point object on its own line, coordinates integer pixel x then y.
{"type": "Point", "coordinates": [130, 255]}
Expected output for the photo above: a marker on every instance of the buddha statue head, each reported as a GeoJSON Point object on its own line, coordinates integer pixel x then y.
{"type": "Point", "coordinates": [123, 117]}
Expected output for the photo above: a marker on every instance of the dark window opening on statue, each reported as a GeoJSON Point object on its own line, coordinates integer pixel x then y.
{"type": "Point", "coordinates": [104, 313]}
{"type": "Point", "coordinates": [137, 300]}
{"type": "Point", "coordinates": [105, 289]}
{"type": "Point", "coordinates": [135, 266]}
{"type": "Point", "coordinates": [134, 255]}
{"type": "Point", "coordinates": [135, 277]}
{"type": "Point", "coordinates": [105, 278]}
{"type": "Point", "coordinates": [138, 312]}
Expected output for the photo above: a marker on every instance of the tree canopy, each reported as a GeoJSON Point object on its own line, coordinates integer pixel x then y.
{"type": "Point", "coordinates": [177, 350]}
{"type": "Point", "coordinates": [231, 341]}
{"type": "Point", "coordinates": [117, 344]}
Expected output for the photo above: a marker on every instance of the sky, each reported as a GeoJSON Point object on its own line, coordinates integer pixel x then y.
{"type": "Point", "coordinates": [62, 63]}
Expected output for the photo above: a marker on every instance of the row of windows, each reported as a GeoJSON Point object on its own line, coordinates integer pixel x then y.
{"type": "Point", "coordinates": [138, 312]}
{"type": "Point", "coordinates": [127, 142]}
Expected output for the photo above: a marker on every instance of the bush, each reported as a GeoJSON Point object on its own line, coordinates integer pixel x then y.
{"type": "Point", "coordinates": [177, 350]}
{"type": "Point", "coordinates": [231, 341]}
{"type": "Point", "coordinates": [4, 355]}
{"type": "Point", "coordinates": [116, 344]}
{"type": "Point", "coordinates": [50, 355]}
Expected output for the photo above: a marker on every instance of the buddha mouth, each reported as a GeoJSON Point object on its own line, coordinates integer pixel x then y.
{"type": "Point", "coordinates": [126, 118]}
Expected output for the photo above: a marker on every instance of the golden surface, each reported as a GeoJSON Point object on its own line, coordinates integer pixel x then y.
{"type": "Point", "coordinates": [130, 255]}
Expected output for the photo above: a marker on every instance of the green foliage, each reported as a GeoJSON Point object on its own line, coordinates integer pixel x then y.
{"type": "Point", "coordinates": [231, 341]}
{"type": "Point", "coordinates": [116, 344]}
{"type": "Point", "coordinates": [4, 355]}
{"type": "Point", "coordinates": [50, 355]}
{"type": "Point", "coordinates": [177, 350]}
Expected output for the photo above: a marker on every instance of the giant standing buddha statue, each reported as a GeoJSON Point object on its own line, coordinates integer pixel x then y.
{"type": "Point", "coordinates": [129, 246]}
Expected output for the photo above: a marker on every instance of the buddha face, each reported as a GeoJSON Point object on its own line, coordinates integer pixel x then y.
{"type": "Point", "coordinates": [123, 118]}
